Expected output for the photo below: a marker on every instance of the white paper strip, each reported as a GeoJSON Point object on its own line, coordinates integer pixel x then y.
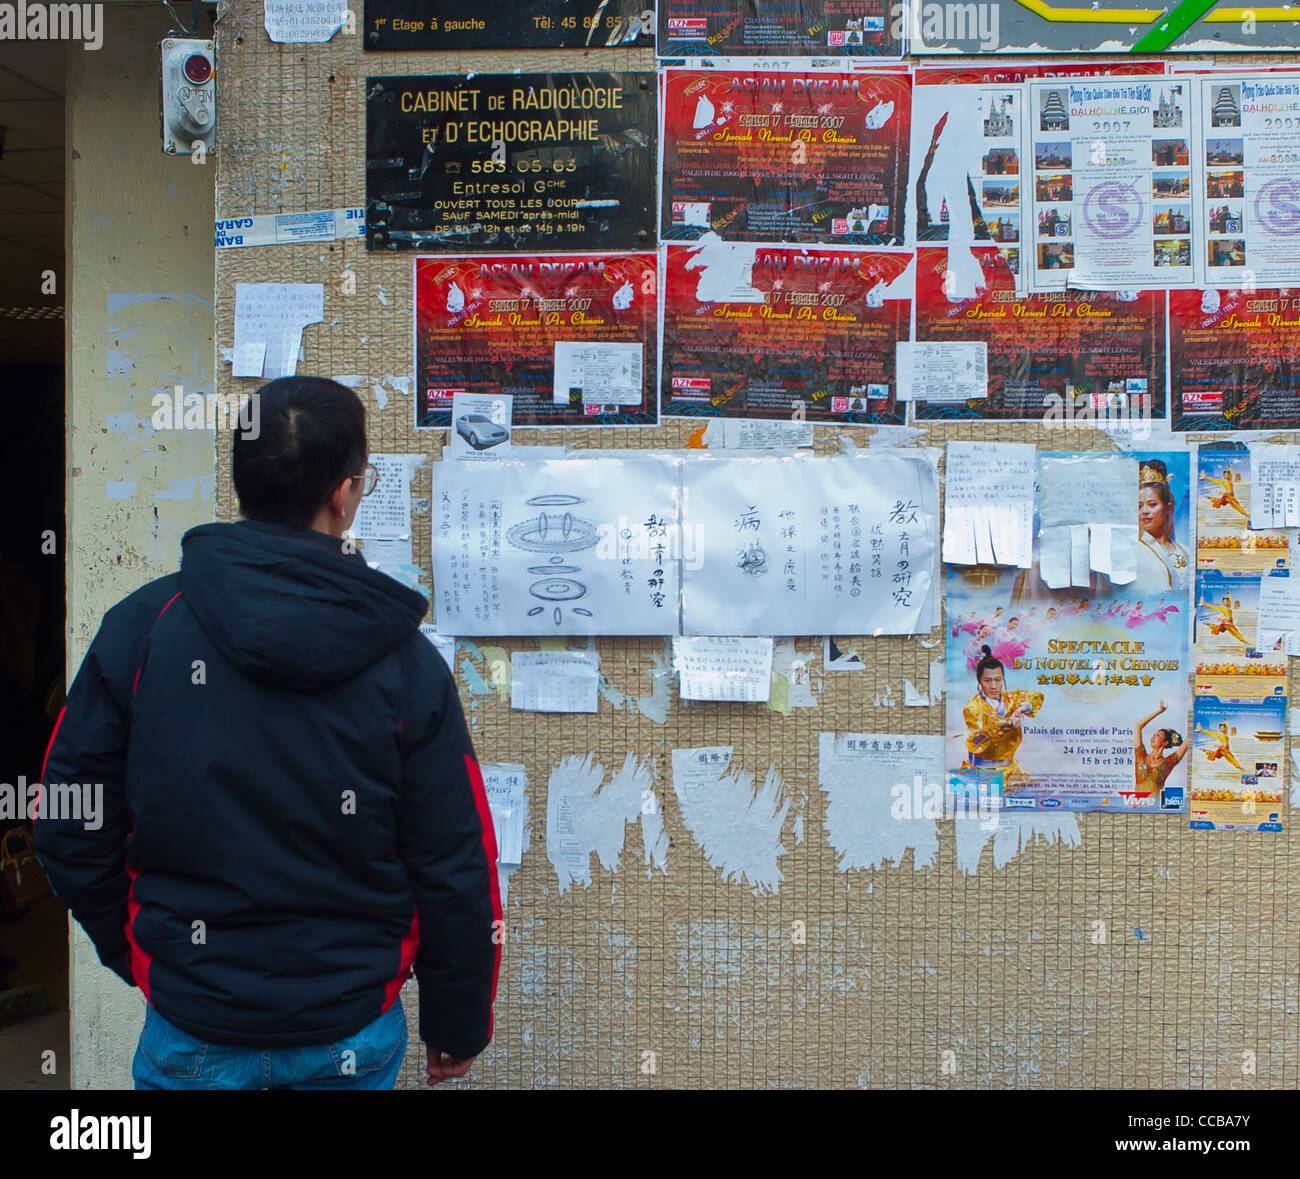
{"type": "Point", "coordinates": [270, 229]}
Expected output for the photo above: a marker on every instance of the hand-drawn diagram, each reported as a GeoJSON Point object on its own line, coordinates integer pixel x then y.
{"type": "Point", "coordinates": [558, 546]}
{"type": "Point", "coordinates": [555, 533]}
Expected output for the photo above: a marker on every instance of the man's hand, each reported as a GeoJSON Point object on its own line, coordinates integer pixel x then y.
{"type": "Point", "coordinates": [443, 1068]}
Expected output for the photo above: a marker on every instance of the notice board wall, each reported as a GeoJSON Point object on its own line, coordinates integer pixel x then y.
{"type": "Point", "coordinates": [928, 978]}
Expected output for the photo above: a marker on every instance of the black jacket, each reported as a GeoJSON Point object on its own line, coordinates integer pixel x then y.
{"type": "Point", "coordinates": [292, 813]}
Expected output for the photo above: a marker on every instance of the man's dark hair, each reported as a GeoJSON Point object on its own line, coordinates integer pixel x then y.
{"type": "Point", "coordinates": [312, 436]}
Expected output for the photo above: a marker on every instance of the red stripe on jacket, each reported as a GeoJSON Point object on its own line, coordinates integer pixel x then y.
{"type": "Point", "coordinates": [45, 763]}
{"type": "Point", "coordinates": [490, 850]}
{"type": "Point", "coordinates": [137, 960]}
{"type": "Point", "coordinates": [410, 946]}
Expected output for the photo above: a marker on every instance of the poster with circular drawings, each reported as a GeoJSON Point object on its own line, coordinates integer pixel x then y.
{"type": "Point", "coordinates": [598, 555]}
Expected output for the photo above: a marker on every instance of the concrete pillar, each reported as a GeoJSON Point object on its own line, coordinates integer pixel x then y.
{"type": "Point", "coordinates": [139, 322]}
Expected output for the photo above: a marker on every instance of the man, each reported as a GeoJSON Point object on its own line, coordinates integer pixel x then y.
{"type": "Point", "coordinates": [292, 815]}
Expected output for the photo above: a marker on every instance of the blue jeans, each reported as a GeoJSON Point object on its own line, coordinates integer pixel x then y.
{"type": "Point", "coordinates": [168, 1058]}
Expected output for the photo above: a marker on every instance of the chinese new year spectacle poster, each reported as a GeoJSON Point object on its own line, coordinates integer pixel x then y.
{"type": "Point", "coordinates": [1078, 699]}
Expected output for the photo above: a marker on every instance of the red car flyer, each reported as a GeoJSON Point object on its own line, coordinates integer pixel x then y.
{"type": "Point", "coordinates": [1058, 356]}
{"type": "Point", "coordinates": [571, 337]}
{"type": "Point", "coordinates": [807, 157]}
{"type": "Point", "coordinates": [1234, 359]}
{"type": "Point", "coordinates": [783, 333]}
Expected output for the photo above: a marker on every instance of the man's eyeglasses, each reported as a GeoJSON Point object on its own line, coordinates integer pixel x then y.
{"type": "Point", "coordinates": [371, 476]}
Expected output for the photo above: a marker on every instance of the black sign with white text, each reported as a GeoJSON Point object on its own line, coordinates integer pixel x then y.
{"type": "Point", "coordinates": [511, 162]}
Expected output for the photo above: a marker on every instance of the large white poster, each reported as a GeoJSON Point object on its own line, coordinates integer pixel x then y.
{"type": "Point", "coordinates": [1112, 173]}
{"type": "Point", "coordinates": [802, 545]}
{"type": "Point", "coordinates": [1249, 155]}
{"type": "Point", "coordinates": [584, 546]}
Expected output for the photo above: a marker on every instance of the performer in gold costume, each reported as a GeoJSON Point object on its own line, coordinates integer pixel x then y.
{"type": "Point", "coordinates": [1151, 769]}
{"type": "Point", "coordinates": [1227, 622]}
{"type": "Point", "coordinates": [993, 717]}
{"type": "Point", "coordinates": [1229, 497]}
{"type": "Point", "coordinates": [1222, 750]}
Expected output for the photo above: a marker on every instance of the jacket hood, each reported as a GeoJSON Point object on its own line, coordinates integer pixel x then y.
{"type": "Point", "coordinates": [288, 607]}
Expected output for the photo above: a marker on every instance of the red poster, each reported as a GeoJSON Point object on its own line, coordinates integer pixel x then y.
{"type": "Point", "coordinates": [783, 334]}
{"type": "Point", "coordinates": [785, 157]}
{"type": "Point", "coordinates": [572, 337]}
{"type": "Point", "coordinates": [1070, 357]}
{"type": "Point", "coordinates": [1235, 359]}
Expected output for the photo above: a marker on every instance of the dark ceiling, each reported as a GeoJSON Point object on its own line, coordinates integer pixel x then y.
{"type": "Point", "coordinates": [31, 201]}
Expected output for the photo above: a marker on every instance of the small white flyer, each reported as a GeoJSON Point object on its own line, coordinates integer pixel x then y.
{"type": "Point", "coordinates": [597, 373]}
{"type": "Point", "coordinates": [481, 425]}
{"type": "Point", "coordinates": [554, 681]}
{"type": "Point", "coordinates": [724, 668]}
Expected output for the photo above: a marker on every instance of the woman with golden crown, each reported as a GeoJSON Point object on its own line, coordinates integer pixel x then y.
{"type": "Point", "coordinates": [1162, 561]}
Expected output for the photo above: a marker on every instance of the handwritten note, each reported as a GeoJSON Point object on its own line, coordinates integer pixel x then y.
{"type": "Point", "coordinates": [1088, 489]}
{"type": "Point", "coordinates": [724, 668]}
{"type": "Point", "coordinates": [990, 503]}
{"type": "Point", "coordinates": [793, 543]}
{"type": "Point", "coordinates": [1080, 556]}
{"type": "Point", "coordinates": [505, 784]}
{"type": "Point", "coordinates": [1087, 509]}
{"type": "Point", "coordinates": [274, 313]}
{"type": "Point", "coordinates": [248, 359]}
{"type": "Point", "coordinates": [1275, 485]}
{"type": "Point", "coordinates": [304, 22]}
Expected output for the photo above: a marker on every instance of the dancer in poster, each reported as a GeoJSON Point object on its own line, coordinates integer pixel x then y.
{"type": "Point", "coordinates": [1011, 642]}
{"type": "Point", "coordinates": [1150, 770]}
{"type": "Point", "coordinates": [975, 646]}
{"type": "Point", "coordinates": [1164, 561]}
{"type": "Point", "coordinates": [1222, 750]}
{"type": "Point", "coordinates": [1229, 497]}
{"type": "Point", "coordinates": [993, 718]}
{"type": "Point", "coordinates": [1226, 622]}
{"type": "Point", "coordinates": [1162, 613]}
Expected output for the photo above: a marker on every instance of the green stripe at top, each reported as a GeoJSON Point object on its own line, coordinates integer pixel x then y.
{"type": "Point", "coordinates": [1167, 31]}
